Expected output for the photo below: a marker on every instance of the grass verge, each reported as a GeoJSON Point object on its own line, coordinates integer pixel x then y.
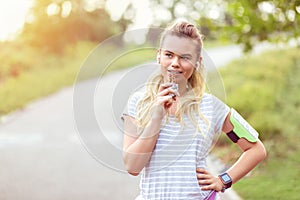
{"type": "Point", "coordinates": [266, 90]}
{"type": "Point", "coordinates": [28, 74]}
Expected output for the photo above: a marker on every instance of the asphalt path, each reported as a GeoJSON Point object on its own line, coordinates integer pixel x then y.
{"type": "Point", "coordinates": [45, 154]}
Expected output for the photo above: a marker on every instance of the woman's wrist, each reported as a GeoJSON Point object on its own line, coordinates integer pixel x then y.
{"type": "Point", "coordinates": [226, 181]}
{"type": "Point", "coordinates": [157, 113]}
{"type": "Point", "coordinates": [221, 187]}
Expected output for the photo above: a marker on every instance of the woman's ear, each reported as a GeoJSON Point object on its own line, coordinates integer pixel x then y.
{"type": "Point", "coordinates": [197, 65]}
{"type": "Point", "coordinates": [158, 59]}
{"type": "Point", "coordinates": [198, 62]}
{"type": "Point", "coordinates": [158, 56]}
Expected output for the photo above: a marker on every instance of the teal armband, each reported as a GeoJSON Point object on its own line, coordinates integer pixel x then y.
{"type": "Point", "coordinates": [241, 128]}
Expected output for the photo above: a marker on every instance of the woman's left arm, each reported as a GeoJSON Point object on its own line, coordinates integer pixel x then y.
{"type": "Point", "coordinates": [253, 154]}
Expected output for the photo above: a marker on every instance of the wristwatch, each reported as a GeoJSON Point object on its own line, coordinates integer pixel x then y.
{"type": "Point", "coordinates": [226, 180]}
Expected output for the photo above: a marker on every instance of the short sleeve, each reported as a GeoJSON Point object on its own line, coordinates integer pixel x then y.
{"type": "Point", "coordinates": [220, 111]}
{"type": "Point", "coordinates": [130, 109]}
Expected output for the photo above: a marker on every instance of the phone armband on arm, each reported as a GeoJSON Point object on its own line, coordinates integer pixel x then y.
{"type": "Point", "coordinates": [241, 128]}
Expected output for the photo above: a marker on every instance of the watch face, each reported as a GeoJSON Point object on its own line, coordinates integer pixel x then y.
{"type": "Point", "coordinates": [226, 178]}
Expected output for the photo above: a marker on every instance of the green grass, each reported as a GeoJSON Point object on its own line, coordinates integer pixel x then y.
{"type": "Point", "coordinates": [266, 90]}
{"type": "Point", "coordinates": [258, 88]}
{"type": "Point", "coordinates": [278, 179]}
{"type": "Point", "coordinates": [17, 92]}
{"type": "Point", "coordinates": [27, 73]}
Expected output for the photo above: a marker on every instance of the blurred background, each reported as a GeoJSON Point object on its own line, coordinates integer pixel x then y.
{"type": "Point", "coordinates": [43, 44]}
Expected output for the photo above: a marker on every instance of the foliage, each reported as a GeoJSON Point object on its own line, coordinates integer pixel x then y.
{"type": "Point", "coordinates": [56, 24]}
{"type": "Point", "coordinates": [265, 90]}
{"type": "Point", "coordinates": [27, 74]}
{"type": "Point", "coordinates": [14, 61]}
{"type": "Point", "coordinates": [246, 22]}
{"type": "Point", "coordinates": [244, 80]}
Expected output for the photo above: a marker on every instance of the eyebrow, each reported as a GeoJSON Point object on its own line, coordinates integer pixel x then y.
{"type": "Point", "coordinates": [183, 55]}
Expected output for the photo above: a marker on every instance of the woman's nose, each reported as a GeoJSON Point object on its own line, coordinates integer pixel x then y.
{"type": "Point", "coordinates": [175, 62]}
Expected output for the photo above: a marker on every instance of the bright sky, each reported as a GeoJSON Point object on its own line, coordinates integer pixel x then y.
{"type": "Point", "coordinates": [12, 17]}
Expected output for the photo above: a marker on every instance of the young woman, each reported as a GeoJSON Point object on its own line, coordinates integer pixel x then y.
{"type": "Point", "coordinates": [169, 127]}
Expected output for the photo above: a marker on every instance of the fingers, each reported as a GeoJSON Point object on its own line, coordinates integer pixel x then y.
{"type": "Point", "coordinates": [201, 170]}
{"type": "Point", "coordinates": [166, 89]}
{"type": "Point", "coordinates": [164, 86]}
{"type": "Point", "coordinates": [165, 97]}
{"type": "Point", "coordinates": [204, 178]}
{"type": "Point", "coordinates": [164, 100]}
{"type": "Point", "coordinates": [207, 181]}
{"type": "Point", "coordinates": [212, 186]}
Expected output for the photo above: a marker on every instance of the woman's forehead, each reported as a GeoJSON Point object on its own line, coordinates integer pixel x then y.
{"type": "Point", "coordinates": [179, 45]}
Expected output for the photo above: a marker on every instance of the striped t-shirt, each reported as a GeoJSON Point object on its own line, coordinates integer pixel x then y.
{"type": "Point", "coordinates": [171, 171]}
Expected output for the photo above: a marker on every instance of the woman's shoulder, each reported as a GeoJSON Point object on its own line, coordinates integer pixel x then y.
{"type": "Point", "coordinates": [207, 97]}
{"type": "Point", "coordinates": [137, 95]}
{"type": "Point", "coordinates": [210, 98]}
{"type": "Point", "coordinates": [133, 100]}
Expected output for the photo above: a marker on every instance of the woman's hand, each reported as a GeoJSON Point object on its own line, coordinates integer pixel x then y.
{"type": "Point", "coordinates": [207, 181]}
{"type": "Point", "coordinates": [164, 100]}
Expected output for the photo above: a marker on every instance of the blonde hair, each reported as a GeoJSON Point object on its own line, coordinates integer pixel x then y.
{"type": "Point", "coordinates": [190, 103]}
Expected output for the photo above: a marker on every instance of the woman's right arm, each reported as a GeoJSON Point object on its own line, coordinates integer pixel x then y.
{"type": "Point", "coordinates": [138, 147]}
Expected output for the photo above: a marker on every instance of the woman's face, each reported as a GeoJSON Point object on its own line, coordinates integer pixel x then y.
{"type": "Point", "coordinates": [177, 56]}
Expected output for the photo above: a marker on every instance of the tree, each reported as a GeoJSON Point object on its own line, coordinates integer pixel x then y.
{"type": "Point", "coordinates": [56, 24]}
{"type": "Point", "coordinates": [246, 22]}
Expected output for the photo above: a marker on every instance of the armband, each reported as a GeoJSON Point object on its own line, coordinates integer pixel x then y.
{"type": "Point", "coordinates": [241, 128]}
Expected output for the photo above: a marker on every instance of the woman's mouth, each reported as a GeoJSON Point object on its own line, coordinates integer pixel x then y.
{"type": "Point", "coordinates": [174, 72]}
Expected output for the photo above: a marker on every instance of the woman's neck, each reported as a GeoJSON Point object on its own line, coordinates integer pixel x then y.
{"type": "Point", "coordinates": [183, 89]}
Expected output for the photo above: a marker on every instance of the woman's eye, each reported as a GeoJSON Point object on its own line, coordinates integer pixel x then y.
{"type": "Point", "coordinates": [168, 55]}
{"type": "Point", "coordinates": [185, 58]}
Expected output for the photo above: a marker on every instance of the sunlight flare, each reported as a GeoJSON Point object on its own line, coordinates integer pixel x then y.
{"type": "Point", "coordinates": [12, 17]}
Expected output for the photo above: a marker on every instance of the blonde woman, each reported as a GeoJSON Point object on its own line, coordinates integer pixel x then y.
{"type": "Point", "coordinates": [169, 127]}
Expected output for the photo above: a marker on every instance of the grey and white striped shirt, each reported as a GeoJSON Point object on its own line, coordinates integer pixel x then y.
{"type": "Point", "coordinates": [171, 171]}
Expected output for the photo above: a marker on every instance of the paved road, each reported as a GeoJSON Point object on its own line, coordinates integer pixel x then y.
{"type": "Point", "coordinates": [42, 156]}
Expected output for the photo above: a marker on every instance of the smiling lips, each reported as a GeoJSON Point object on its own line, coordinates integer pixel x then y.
{"type": "Point", "coordinates": [174, 72]}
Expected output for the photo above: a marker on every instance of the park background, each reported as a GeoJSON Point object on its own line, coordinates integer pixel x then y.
{"type": "Point", "coordinates": [46, 52]}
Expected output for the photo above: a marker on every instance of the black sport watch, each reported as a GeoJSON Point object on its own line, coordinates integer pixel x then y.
{"type": "Point", "coordinates": [226, 180]}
